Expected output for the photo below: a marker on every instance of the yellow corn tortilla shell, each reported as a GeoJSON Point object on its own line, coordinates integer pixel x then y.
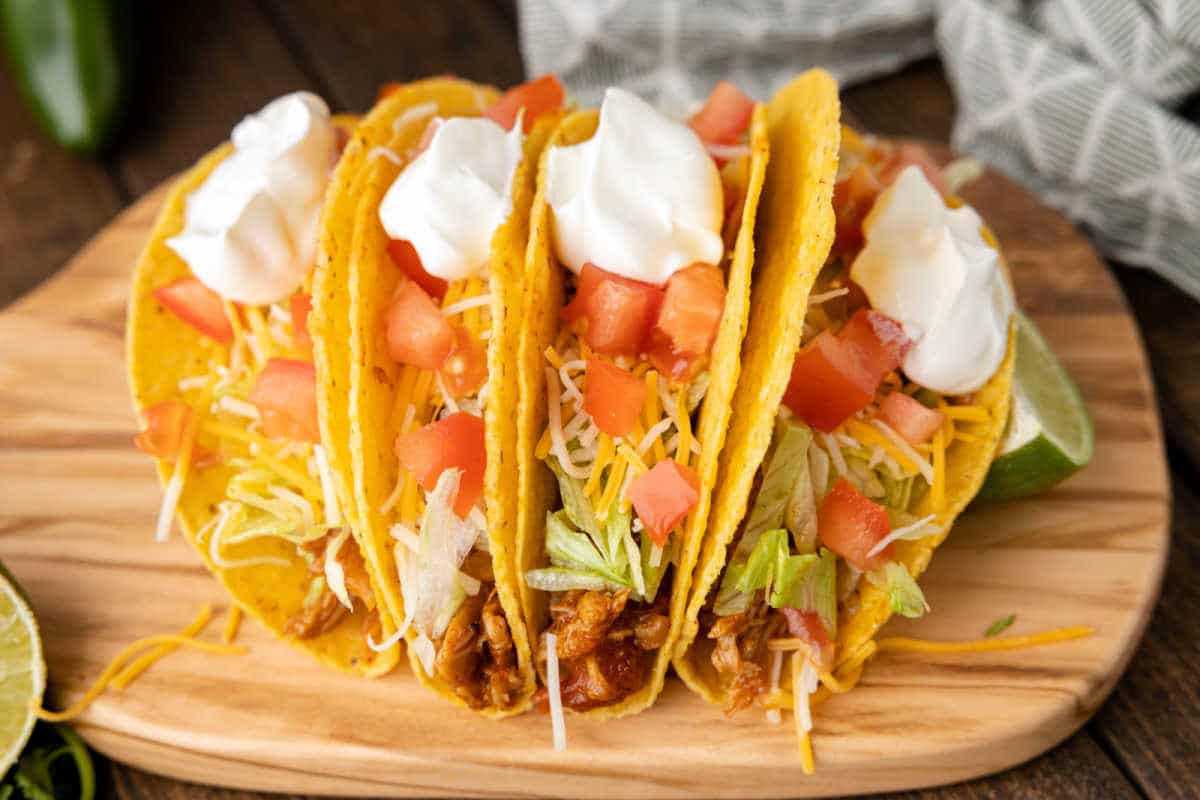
{"type": "Point", "coordinates": [794, 242]}
{"type": "Point", "coordinates": [543, 300]}
{"type": "Point", "coordinates": [362, 276]}
{"type": "Point", "coordinates": [161, 349]}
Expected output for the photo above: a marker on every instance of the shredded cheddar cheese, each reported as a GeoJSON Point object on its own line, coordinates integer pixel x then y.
{"type": "Point", "coordinates": [905, 644]}
{"type": "Point", "coordinates": [258, 328]}
{"type": "Point", "coordinates": [937, 490]}
{"type": "Point", "coordinates": [143, 662]}
{"type": "Point", "coordinates": [118, 665]}
{"type": "Point", "coordinates": [871, 436]}
{"type": "Point", "coordinates": [685, 427]}
{"type": "Point", "coordinates": [232, 623]}
{"type": "Point", "coordinates": [966, 413]}
{"type": "Point", "coordinates": [612, 486]}
{"type": "Point", "coordinates": [604, 455]}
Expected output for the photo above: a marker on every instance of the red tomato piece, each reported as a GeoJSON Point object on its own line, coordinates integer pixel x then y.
{"type": "Point", "coordinates": [405, 255]}
{"type": "Point", "coordinates": [690, 315]}
{"type": "Point", "coordinates": [619, 311]}
{"type": "Point", "coordinates": [301, 307]}
{"type": "Point", "coordinates": [198, 306]}
{"type": "Point", "coordinates": [915, 423]}
{"type": "Point", "coordinates": [910, 154]}
{"type": "Point", "coordinates": [163, 436]}
{"type": "Point", "coordinates": [465, 368]}
{"type": "Point", "coordinates": [456, 441]}
{"type": "Point", "coordinates": [286, 396]}
{"type": "Point", "coordinates": [537, 97]}
{"type": "Point", "coordinates": [853, 199]}
{"type": "Point", "coordinates": [850, 525]}
{"type": "Point", "coordinates": [612, 397]}
{"type": "Point", "coordinates": [725, 115]}
{"type": "Point", "coordinates": [878, 340]}
{"type": "Point", "coordinates": [807, 627]}
{"type": "Point", "coordinates": [662, 496]}
{"type": "Point", "coordinates": [417, 333]}
{"type": "Point", "coordinates": [828, 383]}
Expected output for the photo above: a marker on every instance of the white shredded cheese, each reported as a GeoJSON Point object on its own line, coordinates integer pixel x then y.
{"type": "Point", "coordinates": [773, 715]}
{"type": "Point", "coordinates": [333, 515]}
{"type": "Point", "coordinates": [824, 297]}
{"type": "Point", "coordinates": [390, 641]}
{"type": "Point", "coordinates": [335, 575]}
{"type": "Point", "coordinates": [656, 555]}
{"type": "Point", "coordinates": [194, 382]}
{"type": "Point", "coordinates": [376, 152]}
{"type": "Point", "coordinates": [835, 454]}
{"type": "Point", "coordinates": [238, 407]}
{"type": "Point", "coordinates": [912, 455]}
{"type": "Point", "coordinates": [166, 513]}
{"type": "Point", "coordinates": [413, 114]}
{"type": "Point", "coordinates": [478, 301]}
{"type": "Point", "coordinates": [214, 549]}
{"type": "Point", "coordinates": [656, 430]}
{"type": "Point", "coordinates": [447, 400]}
{"type": "Point", "coordinates": [916, 530]}
{"type": "Point", "coordinates": [570, 387]}
{"type": "Point", "coordinates": [557, 723]}
{"type": "Point", "coordinates": [390, 501]}
{"type": "Point", "coordinates": [558, 444]}
{"type": "Point", "coordinates": [296, 501]}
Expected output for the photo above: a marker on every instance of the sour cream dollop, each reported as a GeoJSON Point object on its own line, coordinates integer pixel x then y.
{"type": "Point", "coordinates": [250, 230]}
{"type": "Point", "coordinates": [928, 267]}
{"type": "Point", "coordinates": [450, 199]}
{"type": "Point", "coordinates": [641, 198]}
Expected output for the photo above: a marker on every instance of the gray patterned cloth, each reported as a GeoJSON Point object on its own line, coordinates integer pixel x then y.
{"type": "Point", "coordinates": [1078, 99]}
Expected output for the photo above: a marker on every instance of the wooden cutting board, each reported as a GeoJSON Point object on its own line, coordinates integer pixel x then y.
{"type": "Point", "coordinates": [77, 507]}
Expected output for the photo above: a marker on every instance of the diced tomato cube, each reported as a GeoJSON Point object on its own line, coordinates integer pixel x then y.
{"type": "Point", "coordinates": [163, 436]}
{"type": "Point", "coordinates": [619, 311]}
{"type": "Point", "coordinates": [286, 395]}
{"type": "Point", "coordinates": [828, 383]}
{"type": "Point", "coordinates": [465, 369]}
{"type": "Point", "coordinates": [612, 397]}
{"type": "Point", "coordinates": [301, 305]}
{"type": "Point", "coordinates": [688, 319]}
{"type": "Point", "coordinates": [878, 340]}
{"type": "Point", "coordinates": [537, 97]}
{"type": "Point", "coordinates": [853, 199]}
{"type": "Point", "coordinates": [851, 525]}
{"type": "Point", "coordinates": [807, 627]}
{"type": "Point", "coordinates": [417, 332]}
{"type": "Point", "coordinates": [198, 306]}
{"type": "Point", "coordinates": [456, 441]}
{"type": "Point", "coordinates": [725, 115]}
{"type": "Point", "coordinates": [911, 154]}
{"type": "Point", "coordinates": [915, 423]}
{"type": "Point", "coordinates": [405, 255]}
{"type": "Point", "coordinates": [662, 496]}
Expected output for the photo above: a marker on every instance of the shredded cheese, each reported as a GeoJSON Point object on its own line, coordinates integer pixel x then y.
{"type": "Point", "coordinates": [903, 532]}
{"type": "Point", "coordinates": [333, 516]}
{"type": "Point", "coordinates": [966, 413]}
{"type": "Point", "coordinates": [684, 423]}
{"type": "Point", "coordinates": [260, 340]}
{"type": "Point", "coordinates": [143, 662]}
{"type": "Point", "coordinates": [557, 723]}
{"type": "Point", "coordinates": [773, 715]}
{"type": "Point", "coordinates": [612, 485]}
{"type": "Point", "coordinates": [478, 301]}
{"type": "Point", "coordinates": [905, 448]}
{"type": "Point", "coordinates": [558, 443]}
{"type": "Point", "coordinates": [241, 408]}
{"type": "Point", "coordinates": [306, 484]}
{"type": "Point", "coordinates": [381, 151]}
{"type": "Point", "coordinates": [553, 357]}
{"type": "Point", "coordinates": [174, 491]}
{"type": "Point", "coordinates": [835, 454]}
{"type": "Point", "coordinates": [603, 456]}
{"type": "Point", "coordinates": [937, 487]}
{"type": "Point", "coordinates": [116, 666]}
{"type": "Point", "coordinates": [824, 297]}
{"type": "Point", "coordinates": [905, 644]}
{"type": "Point", "coordinates": [232, 623]}
{"type": "Point", "coordinates": [802, 678]}
{"type": "Point", "coordinates": [863, 434]}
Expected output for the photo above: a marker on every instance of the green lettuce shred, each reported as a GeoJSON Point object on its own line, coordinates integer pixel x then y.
{"type": "Point", "coordinates": [904, 595]}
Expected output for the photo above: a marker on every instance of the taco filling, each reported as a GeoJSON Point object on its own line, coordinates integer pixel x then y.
{"type": "Point", "coordinates": [249, 419]}
{"type": "Point", "coordinates": [908, 318]}
{"type": "Point", "coordinates": [644, 214]}
{"type": "Point", "coordinates": [440, 215]}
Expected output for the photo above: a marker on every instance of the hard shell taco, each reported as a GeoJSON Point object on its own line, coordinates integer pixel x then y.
{"type": "Point", "coordinates": [874, 390]}
{"type": "Point", "coordinates": [415, 320]}
{"type": "Point", "coordinates": [220, 367]}
{"type": "Point", "coordinates": [638, 274]}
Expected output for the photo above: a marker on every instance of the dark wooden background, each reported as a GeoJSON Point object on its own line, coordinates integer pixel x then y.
{"type": "Point", "coordinates": [205, 65]}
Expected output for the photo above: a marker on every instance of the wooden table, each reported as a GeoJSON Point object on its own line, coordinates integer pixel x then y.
{"type": "Point", "coordinates": [207, 64]}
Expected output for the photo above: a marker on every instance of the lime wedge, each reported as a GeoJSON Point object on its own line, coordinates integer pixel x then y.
{"type": "Point", "coordinates": [1049, 432]}
{"type": "Point", "coordinates": [22, 670]}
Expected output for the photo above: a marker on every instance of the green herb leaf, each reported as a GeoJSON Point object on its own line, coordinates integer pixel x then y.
{"type": "Point", "coordinates": [40, 774]}
{"type": "Point", "coordinates": [1000, 625]}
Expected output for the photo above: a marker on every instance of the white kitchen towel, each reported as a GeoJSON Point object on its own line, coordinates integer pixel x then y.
{"type": "Point", "coordinates": [1074, 98]}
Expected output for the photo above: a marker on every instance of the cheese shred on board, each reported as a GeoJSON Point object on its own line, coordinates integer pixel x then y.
{"type": "Point", "coordinates": [132, 661]}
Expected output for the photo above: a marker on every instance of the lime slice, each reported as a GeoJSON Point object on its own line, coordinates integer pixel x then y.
{"type": "Point", "coordinates": [1049, 433]}
{"type": "Point", "coordinates": [22, 670]}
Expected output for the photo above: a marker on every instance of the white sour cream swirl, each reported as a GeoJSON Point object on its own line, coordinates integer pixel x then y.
{"type": "Point", "coordinates": [250, 230]}
{"type": "Point", "coordinates": [641, 198]}
{"type": "Point", "coordinates": [928, 267]}
{"type": "Point", "coordinates": [450, 199]}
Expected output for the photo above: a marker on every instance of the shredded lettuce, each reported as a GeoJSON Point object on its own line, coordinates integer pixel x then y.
{"type": "Point", "coordinates": [570, 549]}
{"type": "Point", "coordinates": [575, 502]}
{"type": "Point", "coordinates": [903, 593]}
{"type": "Point", "coordinates": [786, 464]}
{"type": "Point", "coordinates": [271, 509]}
{"type": "Point", "coordinates": [653, 574]}
{"type": "Point", "coordinates": [763, 562]}
{"type": "Point", "coordinates": [561, 579]}
{"type": "Point", "coordinates": [809, 583]}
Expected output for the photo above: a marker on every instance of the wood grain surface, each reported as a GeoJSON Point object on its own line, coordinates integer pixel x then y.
{"type": "Point", "coordinates": [203, 69]}
{"type": "Point", "coordinates": [78, 506]}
